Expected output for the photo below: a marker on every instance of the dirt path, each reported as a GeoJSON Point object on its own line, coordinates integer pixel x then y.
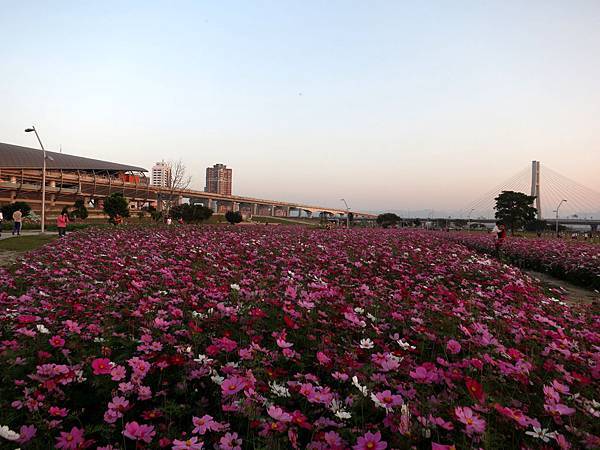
{"type": "Point", "coordinates": [574, 294]}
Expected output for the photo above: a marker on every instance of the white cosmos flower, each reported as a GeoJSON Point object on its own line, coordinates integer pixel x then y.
{"type": "Point", "coordinates": [235, 287]}
{"type": "Point", "coordinates": [279, 390]}
{"type": "Point", "coordinates": [366, 343]}
{"type": "Point", "coordinates": [42, 329]}
{"type": "Point", "coordinates": [363, 389]}
{"type": "Point", "coordinates": [541, 433]}
{"type": "Point", "coordinates": [8, 434]}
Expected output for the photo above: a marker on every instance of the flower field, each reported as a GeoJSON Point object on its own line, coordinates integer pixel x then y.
{"type": "Point", "coordinates": [575, 261]}
{"type": "Point", "coordinates": [283, 337]}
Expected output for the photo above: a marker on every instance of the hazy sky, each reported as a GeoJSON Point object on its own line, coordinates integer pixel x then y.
{"type": "Point", "coordinates": [389, 104]}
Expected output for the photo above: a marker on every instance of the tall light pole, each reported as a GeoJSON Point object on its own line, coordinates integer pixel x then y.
{"type": "Point", "coordinates": [29, 130]}
{"type": "Point", "coordinates": [347, 213]}
{"type": "Point", "coordinates": [557, 208]}
{"type": "Point", "coordinates": [469, 218]}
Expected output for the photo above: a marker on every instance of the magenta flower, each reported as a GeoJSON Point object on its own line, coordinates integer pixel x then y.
{"type": "Point", "coordinates": [70, 440]}
{"type": "Point", "coordinates": [279, 414]}
{"type": "Point", "coordinates": [204, 424]}
{"type": "Point", "coordinates": [26, 433]}
{"type": "Point", "coordinates": [138, 432]}
{"type": "Point", "coordinates": [453, 347]}
{"type": "Point", "coordinates": [101, 366]}
{"type": "Point", "coordinates": [230, 441]}
{"type": "Point", "coordinates": [189, 444]}
{"type": "Point", "coordinates": [370, 441]}
{"type": "Point", "coordinates": [231, 386]}
{"type": "Point", "coordinates": [474, 424]}
{"type": "Point", "coordinates": [56, 341]}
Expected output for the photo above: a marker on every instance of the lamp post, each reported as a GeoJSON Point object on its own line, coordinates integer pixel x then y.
{"type": "Point", "coordinates": [557, 208]}
{"type": "Point", "coordinates": [347, 213]}
{"type": "Point", "coordinates": [469, 218]}
{"type": "Point", "coordinates": [29, 130]}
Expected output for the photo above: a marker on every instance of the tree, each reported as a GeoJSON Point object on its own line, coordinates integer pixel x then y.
{"type": "Point", "coordinates": [514, 209]}
{"type": "Point", "coordinates": [178, 180]}
{"type": "Point", "coordinates": [233, 217]}
{"type": "Point", "coordinates": [116, 205]}
{"type": "Point", "coordinates": [80, 209]}
{"type": "Point", "coordinates": [387, 219]}
{"type": "Point", "coordinates": [536, 225]}
{"type": "Point", "coordinates": [191, 213]}
{"type": "Point", "coordinates": [8, 210]}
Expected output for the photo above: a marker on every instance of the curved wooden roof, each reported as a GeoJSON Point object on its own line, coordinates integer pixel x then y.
{"type": "Point", "coordinates": [17, 157]}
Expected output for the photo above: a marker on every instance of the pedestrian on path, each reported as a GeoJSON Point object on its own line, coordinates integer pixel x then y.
{"type": "Point", "coordinates": [1, 220]}
{"type": "Point", "coordinates": [61, 222]}
{"type": "Point", "coordinates": [17, 219]}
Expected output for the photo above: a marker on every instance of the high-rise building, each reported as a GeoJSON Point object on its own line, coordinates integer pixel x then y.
{"type": "Point", "coordinates": [218, 179]}
{"type": "Point", "coordinates": [161, 174]}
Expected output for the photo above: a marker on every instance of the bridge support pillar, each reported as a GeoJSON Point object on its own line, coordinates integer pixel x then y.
{"type": "Point", "coordinates": [594, 228]}
{"type": "Point", "coordinates": [180, 199]}
{"type": "Point", "coordinates": [235, 206]}
{"type": "Point", "coordinates": [255, 209]}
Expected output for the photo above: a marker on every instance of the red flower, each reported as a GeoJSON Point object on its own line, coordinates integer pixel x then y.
{"type": "Point", "coordinates": [475, 389]}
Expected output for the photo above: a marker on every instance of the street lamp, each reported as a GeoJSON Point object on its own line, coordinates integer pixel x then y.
{"type": "Point", "coordinates": [469, 218]}
{"type": "Point", "coordinates": [557, 208]}
{"type": "Point", "coordinates": [29, 130]}
{"type": "Point", "coordinates": [347, 213]}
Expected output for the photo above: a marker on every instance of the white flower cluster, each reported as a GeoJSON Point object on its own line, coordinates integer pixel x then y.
{"type": "Point", "coordinates": [8, 434]}
{"type": "Point", "coordinates": [279, 389]}
{"type": "Point", "coordinates": [362, 389]}
{"type": "Point", "coordinates": [337, 408]}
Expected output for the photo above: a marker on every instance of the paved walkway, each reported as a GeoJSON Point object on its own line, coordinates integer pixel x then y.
{"type": "Point", "coordinates": [8, 234]}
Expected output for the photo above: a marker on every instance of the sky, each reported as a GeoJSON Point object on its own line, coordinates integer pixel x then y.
{"type": "Point", "coordinates": [392, 105]}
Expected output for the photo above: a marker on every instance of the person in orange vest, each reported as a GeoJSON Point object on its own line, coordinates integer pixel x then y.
{"type": "Point", "coordinates": [61, 222]}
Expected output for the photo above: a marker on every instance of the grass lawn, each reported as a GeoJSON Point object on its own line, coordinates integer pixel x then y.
{"type": "Point", "coordinates": [26, 242]}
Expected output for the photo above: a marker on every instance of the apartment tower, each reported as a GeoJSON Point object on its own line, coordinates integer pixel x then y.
{"type": "Point", "coordinates": [218, 179]}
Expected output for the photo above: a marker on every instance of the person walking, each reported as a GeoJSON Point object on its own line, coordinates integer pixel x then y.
{"type": "Point", "coordinates": [1, 220]}
{"type": "Point", "coordinates": [61, 222]}
{"type": "Point", "coordinates": [17, 219]}
{"type": "Point", "coordinates": [500, 238]}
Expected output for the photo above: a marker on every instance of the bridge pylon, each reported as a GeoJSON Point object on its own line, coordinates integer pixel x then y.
{"type": "Point", "coordinates": [535, 187]}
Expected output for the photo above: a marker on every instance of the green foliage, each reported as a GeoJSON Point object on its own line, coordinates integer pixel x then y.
{"type": "Point", "coordinates": [8, 210]}
{"type": "Point", "coordinates": [536, 225]}
{"type": "Point", "coordinates": [116, 205]}
{"type": "Point", "coordinates": [190, 213]}
{"type": "Point", "coordinates": [233, 217]}
{"type": "Point", "coordinates": [514, 209]}
{"type": "Point", "coordinates": [81, 211]}
{"type": "Point", "coordinates": [387, 220]}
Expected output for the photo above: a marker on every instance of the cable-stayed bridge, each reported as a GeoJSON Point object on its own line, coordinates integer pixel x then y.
{"type": "Point", "coordinates": [576, 203]}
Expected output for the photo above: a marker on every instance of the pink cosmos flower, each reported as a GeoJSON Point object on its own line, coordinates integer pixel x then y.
{"type": "Point", "coordinates": [138, 432]}
{"type": "Point", "coordinates": [230, 441]}
{"type": "Point", "coordinates": [231, 386]}
{"type": "Point", "coordinates": [101, 366]}
{"type": "Point", "coordinates": [139, 366]}
{"type": "Point", "coordinates": [26, 433]}
{"type": "Point", "coordinates": [56, 341]}
{"type": "Point", "coordinates": [117, 373]}
{"type": "Point", "coordinates": [474, 424]}
{"type": "Point", "coordinates": [370, 441]}
{"type": "Point", "coordinates": [58, 412]}
{"type": "Point", "coordinates": [189, 444]}
{"type": "Point", "coordinates": [388, 400]}
{"type": "Point", "coordinates": [279, 414]}
{"type": "Point", "coordinates": [453, 346]}
{"type": "Point", "coordinates": [558, 409]}
{"type": "Point", "coordinates": [203, 424]}
{"type": "Point", "coordinates": [70, 440]}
